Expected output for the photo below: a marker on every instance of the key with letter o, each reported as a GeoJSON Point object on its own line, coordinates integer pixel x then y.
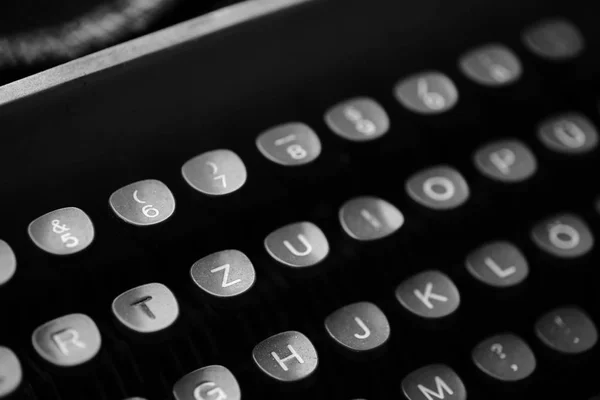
{"type": "Point", "coordinates": [568, 133]}
{"type": "Point", "coordinates": [563, 236]}
{"type": "Point", "coordinates": [438, 188]}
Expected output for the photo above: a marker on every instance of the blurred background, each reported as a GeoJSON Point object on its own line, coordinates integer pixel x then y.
{"type": "Point", "coordinates": [38, 34]}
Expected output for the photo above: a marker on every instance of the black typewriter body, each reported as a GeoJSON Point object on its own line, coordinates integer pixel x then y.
{"type": "Point", "coordinates": [439, 242]}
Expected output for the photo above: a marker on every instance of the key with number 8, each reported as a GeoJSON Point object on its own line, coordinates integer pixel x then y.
{"type": "Point", "coordinates": [289, 144]}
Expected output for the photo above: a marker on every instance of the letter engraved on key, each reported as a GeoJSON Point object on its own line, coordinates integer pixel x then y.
{"type": "Point", "coordinates": [217, 392]}
{"type": "Point", "coordinates": [503, 159]}
{"type": "Point", "coordinates": [497, 71]}
{"type": "Point", "coordinates": [225, 268]}
{"type": "Point", "coordinates": [440, 386]}
{"type": "Point", "coordinates": [282, 362]}
{"type": "Point", "coordinates": [563, 236]}
{"type": "Point", "coordinates": [424, 297]}
{"type": "Point", "coordinates": [502, 273]}
{"type": "Point", "coordinates": [142, 304]}
{"type": "Point", "coordinates": [366, 331]}
{"type": "Point", "coordinates": [439, 181]}
{"type": "Point", "coordinates": [370, 219]}
{"type": "Point", "coordinates": [433, 100]}
{"type": "Point", "coordinates": [292, 249]}
{"type": "Point", "coordinates": [570, 134]}
{"type": "Point", "coordinates": [65, 337]}
{"type": "Point", "coordinates": [69, 240]}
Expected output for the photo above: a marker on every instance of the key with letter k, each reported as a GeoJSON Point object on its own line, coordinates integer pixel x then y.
{"type": "Point", "coordinates": [430, 294]}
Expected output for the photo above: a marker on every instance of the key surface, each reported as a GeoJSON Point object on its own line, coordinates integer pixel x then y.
{"type": "Point", "coordinates": [143, 203]}
{"type": "Point", "coordinates": [62, 232]}
{"type": "Point", "coordinates": [504, 357]}
{"type": "Point", "coordinates": [147, 308]}
{"type": "Point", "coordinates": [286, 357]}
{"type": "Point", "coordinates": [10, 372]}
{"type": "Point", "coordinates": [67, 341]}
{"type": "Point", "coordinates": [211, 382]}
{"type": "Point", "coordinates": [567, 330]}
{"type": "Point", "coordinates": [8, 262]}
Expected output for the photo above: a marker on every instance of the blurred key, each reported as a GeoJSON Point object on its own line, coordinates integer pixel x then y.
{"type": "Point", "coordinates": [8, 262]}
{"type": "Point", "coordinates": [224, 274]}
{"type": "Point", "coordinates": [498, 264]}
{"type": "Point", "coordinates": [213, 382]}
{"type": "Point", "coordinates": [506, 161]}
{"type": "Point", "coordinates": [358, 327]}
{"type": "Point", "coordinates": [10, 372]}
{"type": "Point", "coordinates": [298, 245]}
{"type": "Point", "coordinates": [567, 330]}
{"type": "Point", "coordinates": [554, 40]}
{"type": "Point", "coordinates": [564, 236]}
{"type": "Point", "coordinates": [430, 294]}
{"type": "Point", "coordinates": [438, 188]}
{"type": "Point", "coordinates": [143, 203]}
{"type": "Point", "coordinates": [146, 309]}
{"type": "Point", "coordinates": [434, 381]}
{"type": "Point", "coordinates": [491, 65]}
{"type": "Point", "coordinates": [504, 357]}
{"type": "Point", "coordinates": [358, 119]}
{"type": "Point", "coordinates": [569, 133]}
{"type": "Point", "coordinates": [62, 232]}
{"type": "Point", "coordinates": [215, 173]}
{"type": "Point", "coordinates": [428, 92]}
{"type": "Point", "coordinates": [67, 341]}
{"type": "Point", "coordinates": [370, 218]}
{"type": "Point", "coordinates": [286, 357]}
{"type": "Point", "coordinates": [290, 144]}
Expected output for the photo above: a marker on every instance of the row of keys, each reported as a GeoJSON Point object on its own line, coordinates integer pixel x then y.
{"type": "Point", "coordinates": [290, 356]}
{"type": "Point", "coordinates": [69, 230]}
{"type": "Point", "coordinates": [219, 172]}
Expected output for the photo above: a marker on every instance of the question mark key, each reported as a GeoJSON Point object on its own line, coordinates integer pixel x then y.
{"type": "Point", "coordinates": [505, 357]}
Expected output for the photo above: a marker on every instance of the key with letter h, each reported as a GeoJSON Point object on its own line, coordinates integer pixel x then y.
{"type": "Point", "coordinates": [286, 357]}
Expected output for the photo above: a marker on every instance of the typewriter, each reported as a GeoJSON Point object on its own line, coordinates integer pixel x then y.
{"type": "Point", "coordinates": [297, 199]}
